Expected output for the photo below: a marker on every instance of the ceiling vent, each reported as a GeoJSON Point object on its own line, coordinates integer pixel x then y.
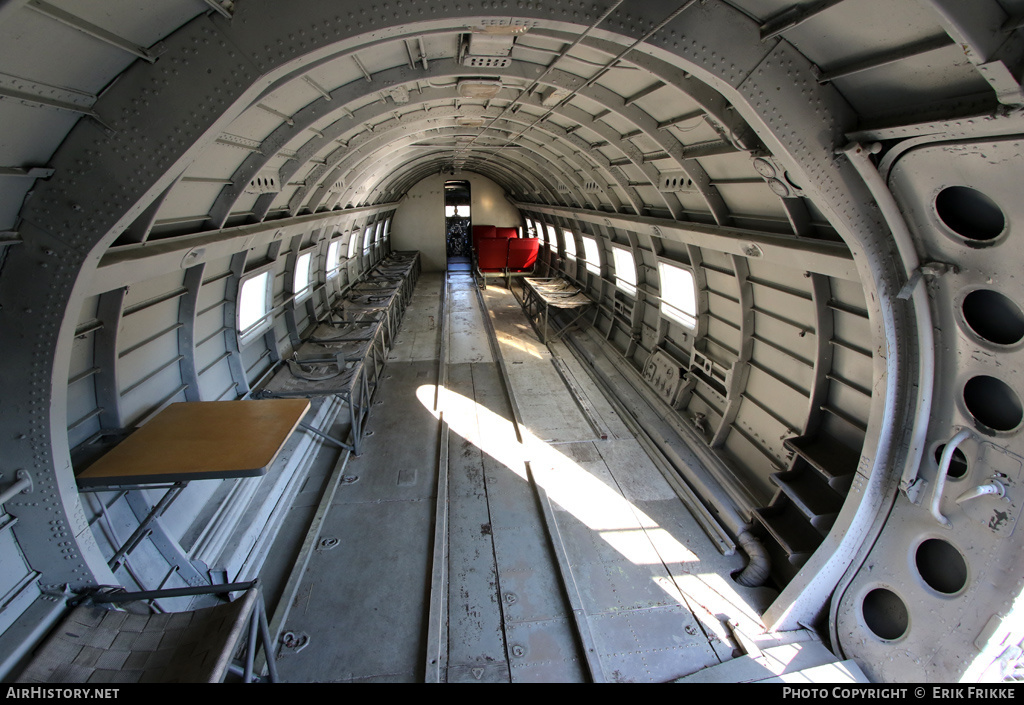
{"type": "Point", "coordinates": [264, 182]}
{"type": "Point", "coordinates": [777, 178]}
{"type": "Point", "coordinates": [485, 88]}
{"type": "Point", "coordinates": [489, 49]}
{"type": "Point", "coordinates": [676, 182]}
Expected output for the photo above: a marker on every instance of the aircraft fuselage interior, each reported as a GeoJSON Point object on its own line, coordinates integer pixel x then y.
{"type": "Point", "coordinates": [515, 340]}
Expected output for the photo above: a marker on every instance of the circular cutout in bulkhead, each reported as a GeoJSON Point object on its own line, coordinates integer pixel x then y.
{"type": "Point", "coordinates": [957, 464]}
{"type": "Point", "coordinates": [993, 317]}
{"type": "Point", "coordinates": [993, 403]}
{"type": "Point", "coordinates": [969, 213]}
{"type": "Point", "coordinates": [941, 566]}
{"type": "Point", "coordinates": [885, 613]}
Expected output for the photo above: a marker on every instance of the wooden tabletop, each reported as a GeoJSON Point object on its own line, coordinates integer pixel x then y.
{"type": "Point", "coordinates": [200, 441]}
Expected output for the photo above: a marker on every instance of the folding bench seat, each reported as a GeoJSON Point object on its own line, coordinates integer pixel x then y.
{"type": "Point", "coordinates": [483, 232]}
{"type": "Point", "coordinates": [522, 255]}
{"type": "Point", "coordinates": [492, 257]}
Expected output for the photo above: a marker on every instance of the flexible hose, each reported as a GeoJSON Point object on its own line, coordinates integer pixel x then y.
{"type": "Point", "coordinates": [758, 565]}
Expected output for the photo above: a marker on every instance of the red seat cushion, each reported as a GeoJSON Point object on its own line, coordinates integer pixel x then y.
{"type": "Point", "coordinates": [522, 253]}
{"type": "Point", "coordinates": [507, 233]}
{"type": "Point", "coordinates": [481, 232]}
{"type": "Point", "coordinates": [491, 254]}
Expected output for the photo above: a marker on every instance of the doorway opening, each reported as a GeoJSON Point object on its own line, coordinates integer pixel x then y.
{"type": "Point", "coordinates": [457, 225]}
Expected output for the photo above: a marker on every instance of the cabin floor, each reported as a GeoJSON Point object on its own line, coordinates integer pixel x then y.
{"type": "Point", "coordinates": [557, 552]}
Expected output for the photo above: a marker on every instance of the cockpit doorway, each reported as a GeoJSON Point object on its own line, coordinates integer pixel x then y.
{"type": "Point", "coordinates": [457, 225]}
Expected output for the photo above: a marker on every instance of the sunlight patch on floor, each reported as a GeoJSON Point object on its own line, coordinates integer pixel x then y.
{"type": "Point", "coordinates": [636, 536]}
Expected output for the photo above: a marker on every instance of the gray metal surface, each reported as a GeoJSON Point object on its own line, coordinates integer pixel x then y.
{"type": "Point", "coordinates": [168, 149]}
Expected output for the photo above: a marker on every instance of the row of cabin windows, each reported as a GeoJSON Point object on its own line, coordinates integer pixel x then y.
{"type": "Point", "coordinates": [678, 289]}
{"type": "Point", "coordinates": [255, 295]}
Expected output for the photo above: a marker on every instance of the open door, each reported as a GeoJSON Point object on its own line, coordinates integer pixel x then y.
{"type": "Point", "coordinates": [457, 225]}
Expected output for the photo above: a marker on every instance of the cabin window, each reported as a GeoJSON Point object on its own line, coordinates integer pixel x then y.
{"type": "Point", "coordinates": [625, 270]}
{"type": "Point", "coordinates": [552, 238]}
{"type": "Point", "coordinates": [592, 255]}
{"type": "Point", "coordinates": [387, 229]}
{"type": "Point", "coordinates": [353, 239]}
{"type": "Point", "coordinates": [570, 244]}
{"type": "Point", "coordinates": [333, 259]}
{"type": "Point", "coordinates": [301, 284]}
{"type": "Point", "coordinates": [678, 295]}
{"type": "Point", "coordinates": [367, 239]}
{"type": "Point", "coordinates": [254, 306]}
{"type": "Point", "coordinates": [378, 233]}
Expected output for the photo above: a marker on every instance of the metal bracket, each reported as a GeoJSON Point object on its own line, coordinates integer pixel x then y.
{"type": "Point", "coordinates": [930, 270]}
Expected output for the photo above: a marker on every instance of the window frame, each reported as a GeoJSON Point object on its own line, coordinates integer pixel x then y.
{"type": "Point", "coordinates": [367, 239]}
{"type": "Point", "coordinates": [592, 267]}
{"type": "Point", "coordinates": [265, 319]}
{"type": "Point", "coordinates": [329, 271]}
{"type": "Point", "coordinates": [684, 319]}
{"type": "Point", "coordinates": [306, 291]}
{"type": "Point", "coordinates": [353, 239]}
{"type": "Point", "coordinates": [567, 237]}
{"type": "Point", "coordinates": [622, 284]}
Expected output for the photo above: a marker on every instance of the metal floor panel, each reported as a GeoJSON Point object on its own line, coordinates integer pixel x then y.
{"type": "Point", "coordinates": [589, 550]}
{"type": "Point", "coordinates": [362, 602]}
{"type": "Point", "coordinates": [647, 577]}
{"type": "Point", "coordinates": [388, 469]}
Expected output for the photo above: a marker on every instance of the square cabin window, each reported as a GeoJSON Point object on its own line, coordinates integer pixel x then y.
{"type": "Point", "coordinates": [678, 295]}
{"type": "Point", "coordinates": [367, 238]}
{"type": "Point", "coordinates": [570, 244]}
{"type": "Point", "coordinates": [387, 229]}
{"type": "Point", "coordinates": [625, 270]}
{"type": "Point", "coordinates": [301, 284]}
{"type": "Point", "coordinates": [552, 238]}
{"type": "Point", "coordinates": [592, 255]}
{"type": "Point", "coordinates": [353, 239]}
{"type": "Point", "coordinates": [254, 306]}
{"type": "Point", "coordinates": [333, 261]}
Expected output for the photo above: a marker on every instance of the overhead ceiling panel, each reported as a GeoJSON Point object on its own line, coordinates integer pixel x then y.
{"type": "Point", "coordinates": [855, 28]}
{"type": "Point", "coordinates": [84, 63]}
{"type": "Point", "coordinates": [254, 124]}
{"type": "Point", "coordinates": [913, 83]}
{"type": "Point", "coordinates": [141, 23]}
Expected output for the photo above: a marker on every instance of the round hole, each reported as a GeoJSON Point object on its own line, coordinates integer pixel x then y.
{"type": "Point", "coordinates": [885, 614]}
{"type": "Point", "coordinates": [957, 464]}
{"type": "Point", "coordinates": [941, 566]}
{"type": "Point", "coordinates": [993, 403]}
{"type": "Point", "coordinates": [969, 213]}
{"type": "Point", "coordinates": [994, 317]}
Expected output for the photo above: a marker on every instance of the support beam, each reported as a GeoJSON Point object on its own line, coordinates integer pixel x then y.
{"type": "Point", "coordinates": [819, 256]}
{"type": "Point", "coordinates": [95, 31]}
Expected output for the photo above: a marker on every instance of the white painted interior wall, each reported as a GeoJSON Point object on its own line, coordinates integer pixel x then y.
{"type": "Point", "coordinates": [419, 220]}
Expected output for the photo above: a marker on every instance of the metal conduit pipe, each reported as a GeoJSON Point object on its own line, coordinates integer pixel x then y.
{"type": "Point", "coordinates": [859, 157]}
{"type": "Point", "coordinates": [24, 484]}
{"type": "Point", "coordinates": [706, 487]}
{"type": "Point", "coordinates": [940, 479]}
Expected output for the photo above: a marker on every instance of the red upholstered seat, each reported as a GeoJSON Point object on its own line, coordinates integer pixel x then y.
{"type": "Point", "coordinates": [481, 232]}
{"type": "Point", "coordinates": [522, 254]}
{"type": "Point", "coordinates": [491, 254]}
{"type": "Point", "coordinates": [507, 233]}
